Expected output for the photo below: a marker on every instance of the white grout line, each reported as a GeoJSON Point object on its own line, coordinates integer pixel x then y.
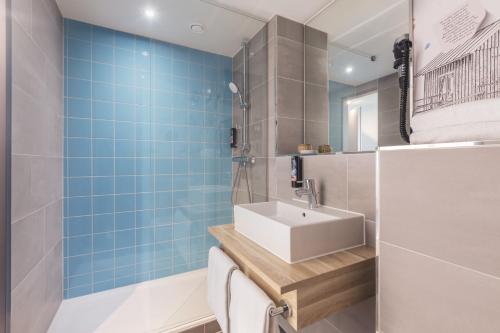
{"type": "Point", "coordinates": [441, 260]}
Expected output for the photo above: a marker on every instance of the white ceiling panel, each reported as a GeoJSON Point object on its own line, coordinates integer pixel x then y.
{"type": "Point", "coordinates": [224, 28]}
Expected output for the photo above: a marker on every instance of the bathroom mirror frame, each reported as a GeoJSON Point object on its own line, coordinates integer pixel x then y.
{"type": "Point", "coordinates": [410, 109]}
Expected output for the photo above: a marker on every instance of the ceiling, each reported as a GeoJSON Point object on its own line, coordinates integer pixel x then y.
{"type": "Point", "coordinates": [225, 28]}
{"type": "Point", "coordinates": [358, 29]}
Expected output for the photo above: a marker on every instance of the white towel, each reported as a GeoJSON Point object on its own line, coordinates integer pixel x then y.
{"type": "Point", "coordinates": [220, 269]}
{"type": "Point", "coordinates": [249, 307]}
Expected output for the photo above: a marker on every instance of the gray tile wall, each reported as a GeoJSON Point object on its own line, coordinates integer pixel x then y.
{"type": "Point", "coordinates": [286, 85]}
{"type": "Point", "coordinates": [439, 237]}
{"type": "Point", "coordinates": [37, 168]}
{"type": "Point", "coordinates": [316, 87]}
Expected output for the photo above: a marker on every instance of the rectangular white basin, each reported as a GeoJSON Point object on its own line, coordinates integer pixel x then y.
{"type": "Point", "coordinates": [295, 233]}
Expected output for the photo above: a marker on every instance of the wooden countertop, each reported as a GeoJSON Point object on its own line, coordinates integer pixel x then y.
{"type": "Point", "coordinates": [284, 277]}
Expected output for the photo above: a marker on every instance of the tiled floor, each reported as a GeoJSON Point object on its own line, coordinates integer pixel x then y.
{"type": "Point", "coordinates": [167, 305]}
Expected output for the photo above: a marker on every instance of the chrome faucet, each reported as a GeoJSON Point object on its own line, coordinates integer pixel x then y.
{"type": "Point", "coordinates": [309, 189]}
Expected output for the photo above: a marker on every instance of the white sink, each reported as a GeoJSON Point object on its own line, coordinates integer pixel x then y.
{"type": "Point", "coordinates": [291, 231]}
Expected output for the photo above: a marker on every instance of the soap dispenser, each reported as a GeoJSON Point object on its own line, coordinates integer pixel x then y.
{"type": "Point", "coordinates": [296, 172]}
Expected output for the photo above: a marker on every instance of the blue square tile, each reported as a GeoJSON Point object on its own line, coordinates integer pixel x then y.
{"type": "Point", "coordinates": [125, 76]}
{"type": "Point", "coordinates": [124, 40]}
{"type": "Point", "coordinates": [103, 129]}
{"type": "Point", "coordinates": [142, 60]}
{"type": "Point", "coordinates": [162, 49]}
{"type": "Point", "coordinates": [78, 226]}
{"type": "Point", "coordinates": [144, 184]}
{"type": "Point", "coordinates": [102, 73]}
{"type": "Point", "coordinates": [103, 223]}
{"type": "Point", "coordinates": [164, 233]}
{"type": "Point", "coordinates": [103, 54]}
{"type": "Point", "coordinates": [103, 36]}
{"type": "Point", "coordinates": [105, 275]}
{"type": "Point", "coordinates": [145, 218]}
{"type": "Point", "coordinates": [125, 94]}
{"type": "Point", "coordinates": [103, 260]}
{"type": "Point", "coordinates": [124, 148]}
{"type": "Point", "coordinates": [102, 286]}
{"type": "Point", "coordinates": [125, 112]}
{"type": "Point", "coordinates": [78, 108]}
{"type": "Point", "coordinates": [78, 147]}
{"type": "Point", "coordinates": [78, 128]}
{"type": "Point", "coordinates": [103, 110]}
{"type": "Point", "coordinates": [79, 49]}
{"type": "Point", "coordinates": [79, 265]}
{"type": "Point", "coordinates": [125, 256]}
{"type": "Point", "coordinates": [144, 201]}
{"type": "Point", "coordinates": [125, 220]}
{"type": "Point", "coordinates": [180, 52]}
{"type": "Point", "coordinates": [125, 238]}
{"type": "Point", "coordinates": [78, 206]}
{"type": "Point", "coordinates": [122, 282]}
{"type": "Point", "coordinates": [124, 58]}
{"type": "Point", "coordinates": [163, 216]}
{"type": "Point", "coordinates": [78, 291]}
{"type": "Point", "coordinates": [144, 149]}
{"type": "Point", "coordinates": [79, 280]}
{"type": "Point", "coordinates": [79, 30]}
{"type": "Point", "coordinates": [144, 236]}
{"type": "Point", "coordinates": [80, 245]}
{"type": "Point", "coordinates": [79, 167]}
{"type": "Point", "coordinates": [79, 69]}
{"type": "Point", "coordinates": [124, 130]}
{"type": "Point", "coordinates": [124, 271]}
{"type": "Point", "coordinates": [144, 166]}
{"type": "Point", "coordinates": [79, 186]}
{"type": "Point", "coordinates": [102, 148]}
{"type": "Point", "coordinates": [124, 184]}
{"type": "Point", "coordinates": [79, 88]}
{"type": "Point", "coordinates": [103, 204]}
{"type": "Point", "coordinates": [125, 202]}
{"type": "Point", "coordinates": [103, 241]}
{"type": "Point", "coordinates": [164, 149]}
{"type": "Point", "coordinates": [102, 91]}
{"type": "Point", "coordinates": [125, 166]}
{"type": "Point", "coordinates": [103, 166]}
{"type": "Point", "coordinates": [103, 185]}
{"type": "Point", "coordinates": [143, 44]}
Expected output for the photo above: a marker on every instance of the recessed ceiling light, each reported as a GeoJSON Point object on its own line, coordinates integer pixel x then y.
{"type": "Point", "coordinates": [150, 13]}
{"type": "Point", "coordinates": [349, 69]}
{"type": "Point", "coordinates": [197, 28]}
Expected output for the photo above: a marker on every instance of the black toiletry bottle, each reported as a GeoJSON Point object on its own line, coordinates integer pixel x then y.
{"type": "Point", "coordinates": [232, 138]}
{"type": "Point", "coordinates": [296, 172]}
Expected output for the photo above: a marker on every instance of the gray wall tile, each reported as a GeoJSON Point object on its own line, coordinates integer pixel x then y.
{"type": "Point", "coordinates": [290, 98]}
{"type": "Point", "coordinates": [361, 184]}
{"type": "Point", "coordinates": [290, 29]}
{"type": "Point", "coordinates": [37, 168]}
{"type": "Point", "coordinates": [423, 294]}
{"type": "Point", "coordinates": [27, 245]}
{"type": "Point", "coordinates": [290, 59]}
{"type": "Point", "coordinates": [432, 200]}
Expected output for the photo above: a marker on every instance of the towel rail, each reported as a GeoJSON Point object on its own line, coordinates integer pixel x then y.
{"type": "Point", "coordinates": [283, 310]}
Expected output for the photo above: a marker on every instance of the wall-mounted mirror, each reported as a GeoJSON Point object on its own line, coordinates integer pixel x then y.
{"type": "Point", "coordinates": [351, 88]}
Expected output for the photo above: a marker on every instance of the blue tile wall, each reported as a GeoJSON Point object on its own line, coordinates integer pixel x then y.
{"type": "Point", "coordinates": [147, 166]}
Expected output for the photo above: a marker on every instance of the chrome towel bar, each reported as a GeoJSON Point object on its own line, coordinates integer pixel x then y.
{"type": "Point", "coordinates": [283, 310]}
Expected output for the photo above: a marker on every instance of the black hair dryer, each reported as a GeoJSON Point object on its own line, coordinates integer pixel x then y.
{"type": "Point", "coordinates": [402, 50]}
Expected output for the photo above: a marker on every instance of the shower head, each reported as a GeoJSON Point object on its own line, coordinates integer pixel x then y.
{"type": "Point", "coordinates": [235, 90]}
